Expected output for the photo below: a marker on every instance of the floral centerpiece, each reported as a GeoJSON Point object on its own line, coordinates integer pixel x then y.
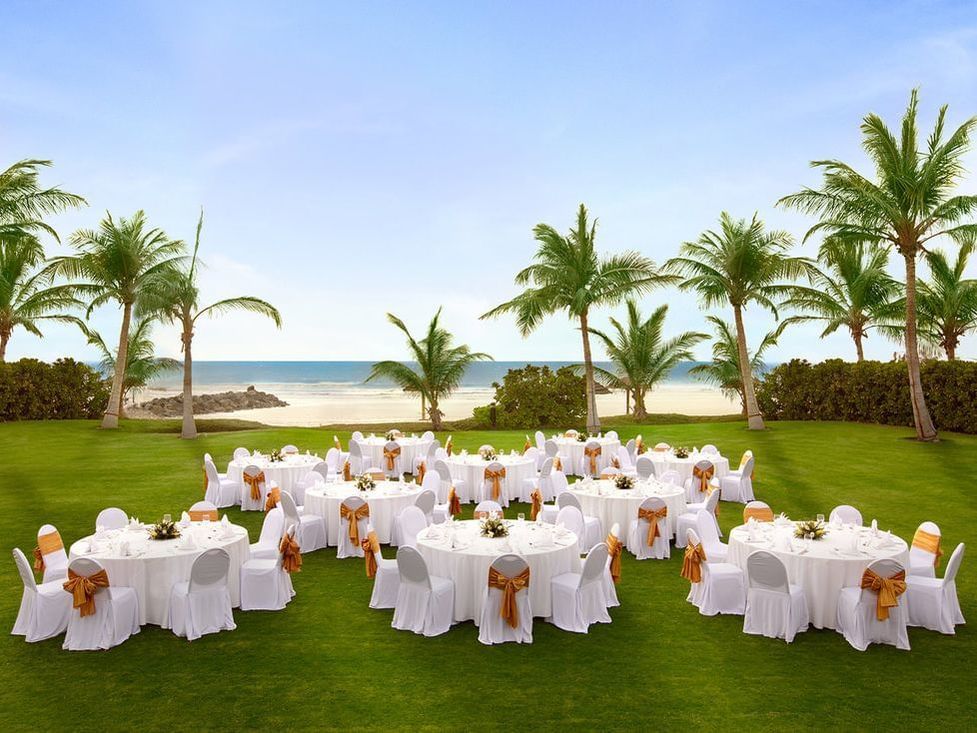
{"type": "Point", "coordinates": [624, 482]}
{"type": "Point", "coordinates": [392, 435]}
{"type": "Point", "coordinates": [582, 436]}
{"type": "Point", "coordinates": [812, 529]}
{"type": "Point", "coordinates": [276, 456]}
{"type": "Point", "coordinates": [164, 530]}
{"type": "Point", "coordinates": [493, 527]}
{"type": "Point", "coordinates": [365, 482]}
{"type": "Point", "coordinates": [681, 452]}
{"type": "Point", "coordinates": [488, 453]}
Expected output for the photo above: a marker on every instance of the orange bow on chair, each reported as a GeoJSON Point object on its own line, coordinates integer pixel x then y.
{"type": "Point", "coordinates": [537, 499]}
{"type": "Point", "coordinates": [371, 546]}
{"type": "Point", "coordinates": [83, 588]}
{"type": "Point", "coordinates": [353, 517]}
{"type": "Point", "coordinates": [421, 473]}
{"type": "Point", "coordinates": [291, 555]}
{"type": "Point", "coordinates": [652, 516]}
{"type": "Point", "coordinates": [199, 515]}
{"type": "Point", "coordinates": [526, 446]}
{"type": "Point", "coordinates": [592, 454]}
{"type": "Point", "coordinates": [557, 463]}
{"type": "Point", "coordinates": [454, 503]}
{"type": "Point", "coordinates": [206, 479]}
{"type": "Point", "coordinates": [255, 482]}
{"type": "Point", "coordinates": [508, 609]}
{"type": "Point", "coordinates": [614, 549]}
{"type": "Point", "coordinates": [705, 476]}
{"type": "Point", "coordinates": [887, 590]}
{"type": "Point", "coordinates": [274, 496]}
{"type": "Point", "coordinates": [928, 542]}
{"type": "Point", "coordinates": [449, 447]}
{"type": "Point", "coordinates": [695, 555]}
{"type": "Point", "coordinates": [760, 514]}
{"type": "Point", "coordinates": [347, 472]}
{"type": "Point", "coordinates": [639, 445]}
{"type": "Point", "coordinates": [391, 457]}
{"type": "Point", "coordinates": [615, 462]}
{"type": "Point", "coordinates": [46, 544]}
{"type": "Point", "coordinates": [496, 478]}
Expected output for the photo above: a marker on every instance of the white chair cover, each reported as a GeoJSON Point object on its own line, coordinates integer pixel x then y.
{"type": "Point", "coordinates": [593, 532]}
{"type": "Point", "coordinates": [111, 518]}
{"type": "Point", "coordinates": [610, 590]}
{"type": "Point", "coordinates": [846, 514]}
{"type": "Point", "coordinates": [346, 547]}
{"type": "Point", "coordinates": [56, 562]}
{"type": "Point", "coordinates": [116, 616]}
{"type": "Point", "coordinates": [221, 491]}
{"type": "Point", "coordinates": [923, 562]}
{"type": "Point", "coordinates": [386, 582]}
{"type": "Point", "coordinates": [857, 620]}
{"type": "Point", "coordinates": [578, 598]}
{"type": "Point", "coordinates": [425, 603]}
{"type": "Point", "coordinates": [739, 486]}
{"type": "Point", "coordinates": [690, 518]}
{"type": "Point", "coordinates": [272, 530]}
{"type": "Point", "coordinates": [492, 628]}
{"type": "Point", "coordinates": [486, 488]}
{"type": "Point", "coordinates": [310, 529]}
{"type": "Point", "coordinates": [247, 503]}
{"type": "Point", "coordinates": [644, 467]}
{"type": "Point", "coordinates": [638, 534]}
{"type": "Point", "coordinates": [461, 486]}
{"type": "Point", "coordinates": [490, 507]}
{"type": "Point", "coordinates": [774, 608]}
{"type": "Point", "coordinates": [932, 602]}
{"type": "Point", "coordinates": [411, 521]}
{"type": "Point", "coordinates": [44, 609]}
{"type": "Point", "coordinates": [722, 588]}
{"type": "Point", "coordinates": [265, 586]}
{"type": "Point", "coordinates": [202, 605]}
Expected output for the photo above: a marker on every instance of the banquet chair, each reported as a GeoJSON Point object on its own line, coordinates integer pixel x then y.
{"type": "Point", "coordinates": [392, 465]}
{"type": "Point", "coordinates": [427, 455]}
{"type": "Point", "coordinates": [104, 619]}
{"type": "Point", "coordinates": [356, 435]}
{"type": "Point", "coordinates": [425, 602]}
{"type": "Point", "coordinates": [540, 438]}
{"type": "Point", "coordinates": [202, 605]}
{"type": "Point", "coordinates": [311, 480]}
{"type": "Point", "coordinates": [662, 447]}
{"type": "Point", "coordinates": [425, 501]}
{"type": "Point", "coordinates": [694, 492]}
{"type": "Point", "coordinates": [50, 558]}
{"type": "Point", "coordinates": [44, 608]}
{"type": "Point", "coordinates": [310, 529]}
{"type": "Point", "coordinates": [552, 450]}
{"type": "Point", "coordinates": [386, 577]}
{"type": "Point", "coordinates": [611, 435]}
{"type": "Point", "coordinates": [342, 455]}
{"type": "Point", "coordinates": [739, 488]}
{"type": "Point", "coordinates": [862, 618]}
{"type": "Point", "coordinates": [487, 488]}
{"type": "Point", "coordinates": [334, 462]}
{"type": "Point", "coordinates": [484, 508]}
{"type": "Point", "coordinates": [252, 501]}
{"type": "Point", "coordinates": [208, 457]}
{"type": "Point", "coordinates": [614, 547]}
{"type": "Point", "coordinates": [111, 518]}
{"type": "Point", "coordinates": [272, 530]}
{"type": "Point", "coordinates": [461, 486]}
{"type": "Point", "coordinates": [533, 454]}
{"type": "Point", "coordinates": [707, 528]}
{"type": "Point", "coordinates": [590, 461]}
{"type": "Point", "coordinates": [558, 485]}
{"type": "Point", "coordinates": [641, 529]}
{"type": "Point", "coordinates": [609, 473]}
{"type": "Point", "coordinates": [541, 482]}
{"type": "Point", "coordinates": [624, 461]}
{"type": "Point", "coordinates": [266, 584]}
{"type": "Point", "coordinates": [220, 492]}
{"type": "Point", "coordinates": [493, 626]}
{"type": "Point", "coordinates": [774, 608]}
{"type": "Point", "coordinates": [578, 598]}
{"type": "Point", "coordinates": [924, 553]}
{"type": "Point", "coordinates": [690, 518]}
{"type": "Point", "coordinates": [432, 482]}
{"type": "Point", "coordinates": [671, 477]}
{"type": "Point", "coordinates": [846, 514]}
{"type": "Point", "coordinates": [932, 602]}
{"type": "Point", "coordinates": [632, 448]}
{"type": "Point", "coordinates": [290, 450]}
{"type": "Point", "coordinates": [358, 463]}
{"type": "Point", "coordinates": [571, 518]}
{"type": "Point", "coordinates": [410, 522]}
{"type": "Point", "coordinates": [593, 532]}
{"type": "Point", "coordinates": [709, 449]}
{"type": "Point", "coordinates": [241, 454]}
{"type": "Point", "coordinates": [747, 455]}
{"type": "Point", "coordinates": [720, 585]}
{"type": "Point", "coordinates": [644, 467]}
{"type": "Point", "coordinates": [201, 511]}
{"type": "Point", "coordinates": [354, 515]}
{"type": "Point", "coordinates": [325, 471]}
{"type": "Point", "coordinates": [759, 511]}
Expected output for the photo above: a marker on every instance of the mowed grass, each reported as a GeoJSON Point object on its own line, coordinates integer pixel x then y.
{"type": "Point", "coordinates": [329, 662]}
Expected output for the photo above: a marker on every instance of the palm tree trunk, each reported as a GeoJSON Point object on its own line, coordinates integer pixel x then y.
{"type": "Point", "coordinates": [753, 417]}
{"type": "Point", "coordinates": [593, 421]}
{"type": "Point", "coordinates": [111, 417]}
{"type": "Point", "coordinates": [189, 430]}
{"type": "Point", "coordinates": [640, 413]}
{"type": "Point", "coordinates": [858, 346]}
{"type": "Point", "coordinates": [435, 414]}
{"type": "Point", "coordinates": [627, 402]}
{"type": "Point", "coordinates": [4, 338]}
{"type": "Point", "coordinates": [423, 410]}
{"type": "Point", "coordinates": [925, 429]}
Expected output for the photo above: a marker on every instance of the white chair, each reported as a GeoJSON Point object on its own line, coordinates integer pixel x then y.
{"type": "Point", "coordinates": [624, 462]}
{"type": "Point", "coordinates": [356, 435]}
{"type": "Point", "coordinates": [425, 501]}
{"type": "Point", "coordinates": [203, 510]}
{"type": "Point", "coordinates": [578, 598]}
{"type": "Point", "coordinates": [202, 605]}
{"type": "Point", "coordinates": [265, 583]}
{"type": "Point", "coordinates": [358, 463]}
{"type": "Point", "coordinates": [111, 518]}
{"type": "Point", "coordinates": [392, 461]}
{"type": "Point", "coordinates": [632, 448]}
{"type": "Point", "coordinates": [709, 449]}
{"type": "Point", "coordinates": [846, 514]}
{"type": "Point", "coordinates": [593, 532]}
{"type": "Point", "coordinates": [859, 611]}
{"type": "Point", "coordinates": [220, 492]}
{"type": "Point", "coordinates": [410, 522]}
{"type": "Point", "coordinates": [541, 482]}
{"type": "Point", "coordinates": [690, 518]}
{"type": "Point", "coordinates": [540, 439]}
{"type": "Point", "coordinates": [312, 479]}
{"type": "Point", "coordinates": [425, 602]}
{"type": "Point", "coordinates": [487, 489]}
{"type": "Point", "coordinates": [241, 454]}
{"type": "Point", "coordinates": [721, 588]}
{"type": "Point", "coordinates": [611, 435]}
{"type": "Point", "coordinates": [739, 486]}
{"type": "Point", "coordinates": [608, 582]}
{"type": "Point", "coordinates": [640, 529]}
{"type": "Point", "coordinates": [493, 628]}
{"type": "Point", "coordinates": [644, 467]}
{"type": "Point", "coordinates": [932, 602]}
{"type": "Point", "coordinates": [50, 555]}
{"type": "Point", "coordinates": [272, 530]}
{"type": "Point", "coordinates": [572, 519]}
{"type": "Point", "coordinates": [289, 450]}
{"type": "Point", "coordinates": [427, 454]}
{"type": "Point", "coordinates": [924, 553]}
{"type": "Point", "coordinates": [485, 508]}
{"type": "Point", "coordinates": [461, 486]}
{"type": "Point", "coordinates": [44, 609]}
{"type": "Point", "coordinates": [354, 515]}
{"type": "Point", "coordinates": [386, 581]}
{"type": "Point", "coordinates": [254, 489]}
{"type": "Point", "coordinates": [591, 449]}
{"type": "Point", "coordinates": [759, 511]}
{"type": "Point", "coordinates": [433, 483]}
{"type": "Point", "coordinates": [693, 485]}
{"type": "Point", "coordinates": [115, 616]}
{"type": "Point", "coordinates": [671, 477]}
{"type": "Point", "coordinates": [774, 608]}
{"type": "Point", "coordinates": [706, 528]}
{"type": "Point", "coordinates": [310, 529]}
{"type": "Point", "coordinates": [558, 485]}
{"type": "Point", "coordinates": [534, 455]}
{"type": "Point", "coordinates": [552, 450]}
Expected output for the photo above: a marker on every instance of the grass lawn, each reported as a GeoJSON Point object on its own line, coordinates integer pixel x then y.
{"type": "Point", "coordinates": [329, 662]}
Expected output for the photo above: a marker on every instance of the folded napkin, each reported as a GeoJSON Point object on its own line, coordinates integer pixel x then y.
{"type": "Point", "coordinates": [875, 528]}
{"type": "Point", "coordinates": [188, 542]}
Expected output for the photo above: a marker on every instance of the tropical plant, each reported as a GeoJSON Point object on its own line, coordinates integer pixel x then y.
{"type": "Point", "coordinates": [24, 204]}
{"type": "Point", "coordinates": [911, 202]}
{"type": "Point", "coordinates": [535, 397]}
{"type": "Point", "coordinates": [724, 370]}
{"type": "Point", "coordinates": [120, 261]}
{"type": "Point", "coordinates": [947, 305]}
{"type": "Point", "coordinates": [176, 298]}
{"type": "Point", "coordinates": [440, 366]}
{"type": "Point", "coordinates": [851, 290]}
{"type": "Point", "coordinates": [740, 264]}
{"type": "Point", "coordinates": [568, 275]}
{"type": "Point", "coordinates": [640, 356]}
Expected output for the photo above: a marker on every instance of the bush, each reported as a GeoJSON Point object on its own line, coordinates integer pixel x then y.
{"type": "Point", "coordinates": [65, 390]}
{"type": "Point", "coordinates": [535, 397]}
{"type": "Point", "coordinates": [870, 391]}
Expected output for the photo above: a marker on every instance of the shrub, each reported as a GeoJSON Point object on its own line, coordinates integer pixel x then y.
{"type": "Point", "coordinates": [870, 391]}
{"type": "Point", "coordinates": [534, 397]}
{"type": "Point", "coordinates": [65, 390]}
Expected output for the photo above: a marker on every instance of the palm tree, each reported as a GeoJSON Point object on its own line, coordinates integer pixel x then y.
{"type": "Point", "coordinates": [440, 366]}
{"type": "Point", "coordinates": [740, 264]}
{"type": "Point", "coordinates": [911, 202]}
{"type": "Point", "coordinates": [640, 356]}
{"type": "Point", "coordinates": [948, 301]}
{"type": "Point", "coordinates": [24, 204]}
{"type": "Point", "coordinates": [121, 261]}
{"type": "Point", "coordinates": [853, 290]}
{"type": "Point", "coordinates": [176, 300]}
{"type": "Point", "coordinates": [568, 275]}
{"type": "Point", "coordinates": [724, 370]}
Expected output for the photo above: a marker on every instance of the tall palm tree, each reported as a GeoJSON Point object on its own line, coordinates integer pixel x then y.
{"type": "Point", "coordinates": [568, 275]}
{"type": "Point", "coordinates": [641, 357]}
{"type": "Point", "coordinates": [740, 264]}
{"type": "Point", "coordinates": [724, 370]}
{"type": "Point", "coordinates": [176, 299]}
{"type": "Point", "coordinates": [440, 366]}
{"type": "Point", "coordinates": [24, 204]}
{"type": "Point", "coordinates": [948, 300]}
{"type": "Point", "coordinates": [120, 261]}
{"type": "Point", "coordinates": [851, 290]}
{"type": "Point", "coordinates": [911, 201]}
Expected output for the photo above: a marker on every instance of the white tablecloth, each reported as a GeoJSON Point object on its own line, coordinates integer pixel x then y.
{"type": "Point", "coordinates": [373, 450]}
{"type": "Point", "coordinates": [570, 451]}
{"type": "Point", "coordinates": [285, 473]}
{"type": "Point", "coordinates": [601, 499]}
{"type": "Point", "coordinates": [471, 469]}
{"type": "Point", "coordinates": [385, 501]}
{"type": "Point", "coordinates": [667, 461]}
{"type": "Point", "coordinates": [469, 567]}
{"type": "Point", "coordinates": [822, 570]}
{"type": "Point", "coordinates": [154, 566]}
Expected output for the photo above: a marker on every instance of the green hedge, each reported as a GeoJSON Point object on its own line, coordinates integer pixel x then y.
{"type": "Point", "coordinates": [535, 397]}
{"type": "Point", "coordinates": [870, 391]}
{"type": "Point", "coordinates": [65, 390]}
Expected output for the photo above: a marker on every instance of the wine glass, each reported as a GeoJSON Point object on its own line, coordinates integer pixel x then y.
{"type": "Point", "coordinates": [820, 519]}
{"type": "Point", "coordinates": [167, 518]}
{"type": "Point", "coordinates": [521, 517]}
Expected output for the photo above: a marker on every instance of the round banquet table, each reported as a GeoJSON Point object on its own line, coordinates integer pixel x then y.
{"type": "Point", "coordinates": [471, 469]}
{"type": "Point", "coordinates": [153, 566]}
{"type": "Point", "coordinates": [285, 473]}
{"type": "Point", "coordinates": [373, 450]}
{"type": "Point", "coordinates": [823, 567]}
{"type": "Point", "coordinates": [668, 461]}
{"type": "Point", "coordinates": [468, 566]}
{"type": "Point", "coordinates": [386, 501]}
{"type": "Point", "coordinates": [570, 451]}
{"type": "Point", "coordinates": [603, 500]}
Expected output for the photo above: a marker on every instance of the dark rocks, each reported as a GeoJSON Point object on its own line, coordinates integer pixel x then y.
{"type": "Point", "coordinates": [205, 404]}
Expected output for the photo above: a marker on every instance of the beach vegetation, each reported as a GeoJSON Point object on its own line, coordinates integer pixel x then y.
{"type": "Point", "coordinates": [535, 397]}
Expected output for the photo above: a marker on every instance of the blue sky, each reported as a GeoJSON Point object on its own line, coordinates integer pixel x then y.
{"type": "Point", "coordinates": [359, 158]}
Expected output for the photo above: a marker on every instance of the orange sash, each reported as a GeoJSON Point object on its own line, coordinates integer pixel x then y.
{"type": "Point", "coordinates": [371, 546]}
{"type": "Point", "coordinates": [83, 588]}
{"type": "Point", "coordinates": [485, 515]}
{"type": "Point", "coordinates": [922, 539]}
{"type": "Point", "coordinates": [526, 446]}
{"type": "Point", "coordinates": [743, 461]}
{"type": "Point", "coordinates": [274, 496]}
{"type": "Point", "coordinates": [421, 472]}
{"type": "Point", "coordinates": [761, 514]}
{"type": "Point", "coordinates": [652, 516]}
{"type": "Point", "coordinates": [255, 483]}
{"type": "Point", "coordinates": [614, 549]}
{"type": "Point", "coordinates": [592, 454]}
{"type": "Point", "coordinates": [557, 463]}
{"type": "Point", "coordinates": [202, 514]}
{"type": "Point", "coordinates": [353, 516]}
{"type": "Point", "coordinates": [347, 472]}
{"type": "Point", "coordinates": [615, 462]}
{"type": "Point", "coordinates": [291, 556]}
{"type": "Point", "coordinates": [692, 562]}
{"type": "Point", "coordinates": [537, 499]}
{"type": "Point", "coordinates": [508, 609]}
{"type": "Point", "coordinates": [391, 457]}
{"type": "Point", "coordinates": [496, 478]}
{"type": "Point", "coordinates": [887, 590]}
{"type": "Point", "coordinates": [454, 503]}
{"type": "Point", "coordinates": [206, 479]}
{"type": "Point", "coordinates": [704, 475]}
{"type": "Point", "coordinates": [448, 447]}
{"type": "Point", "coordinates": [46, 544]}
{"type": "Point", "coordinates": [639, 445]}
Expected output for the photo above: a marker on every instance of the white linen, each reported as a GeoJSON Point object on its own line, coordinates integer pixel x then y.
{"type": "Point", "coordinates": [410, 448]}
{"type": "Point", "coordinates": [823, 567]}
{"type": "Point", "coordinates": [286, 473]}
{"type": "Point", "coordinates": [470, 468]}
{"type": "Point", "coordinates": [613, 506]}
{"type": "Point", "coordinates": [668, 461]}
{"type": "Point", "coordinates": [570, 451]}
{"type": "Point", "coordinates": [386, 502]}
{"type": "Point", "coordinates": [152, 567]}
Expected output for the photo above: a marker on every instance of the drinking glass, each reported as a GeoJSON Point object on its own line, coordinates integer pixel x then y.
{"type": "Point", "coordinates": [521, 517]}
{"type": "Point", "coordinates": [821, 518]}
{"type": "Point", "coordinates": [167, 518]}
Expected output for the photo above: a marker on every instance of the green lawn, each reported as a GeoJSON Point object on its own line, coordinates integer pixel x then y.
{"type": "Point", "coordinates": [330, 662]}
